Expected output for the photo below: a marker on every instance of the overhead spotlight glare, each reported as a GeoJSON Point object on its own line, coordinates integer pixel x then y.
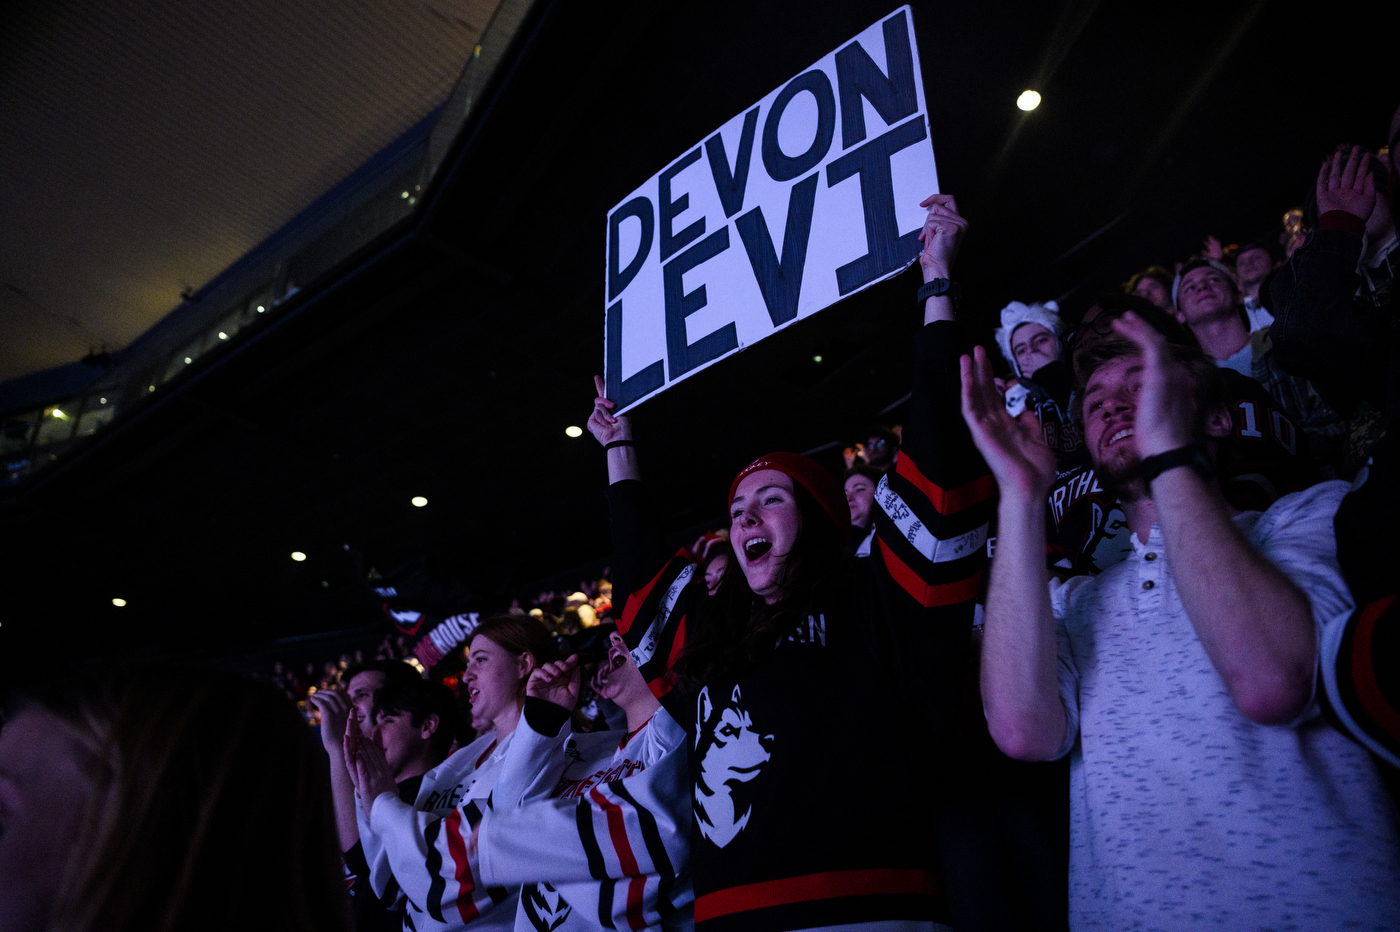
{"type": "Point", "coordinates": [404, 195]}
{"type": "Point", "coordinates": [1028, 101]}
{"type": "Point", "coordinates": [418, 501]}
{"type": "Point", "coordinates": [816, 359]}
{"type": "Point", "coordinates": [119, 603]}
{"type": "Point", "coordinates": [261, 308]}
{"type": "Point", "coordinates": [150, 388]}
{"type": "Point", "coordinates": [59, 414]}
{"type": "Point", "coordinates": [298, 556]}
{"type": "Point", "coordinates": [102, 401]}
{"type": "Point", "coordinates": [573, 431]}
{"type": "Point", "coordinates": [222, 335]}
{"type": "Point", "coordinates": [188, 360]}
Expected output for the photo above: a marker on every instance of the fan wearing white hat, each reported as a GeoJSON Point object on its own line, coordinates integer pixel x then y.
{"type": "Point", "coordinates": [1029, 338]}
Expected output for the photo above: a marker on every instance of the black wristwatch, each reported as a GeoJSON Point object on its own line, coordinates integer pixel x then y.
{"type": "Point", "coordinates": [937, 288]}
{"type": "Point", "coordinates": [1193, 455]}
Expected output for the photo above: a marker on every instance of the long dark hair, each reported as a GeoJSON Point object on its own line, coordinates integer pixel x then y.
{"type": "Point", "coordinates": [209, 810]}
{"type": "Point", "coordinates": [735, 629]}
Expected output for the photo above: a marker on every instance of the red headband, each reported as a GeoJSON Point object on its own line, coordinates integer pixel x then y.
{"type": "Point", "coordinates": [821, 484]}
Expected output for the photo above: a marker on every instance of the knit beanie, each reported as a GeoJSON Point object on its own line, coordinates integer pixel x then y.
{"type": "Point", "coordinates": [807, 473]}
{"type": "Point", "coordinates": [1195, 264]}
{"type": "Point", "coordinates": [1015, 314]}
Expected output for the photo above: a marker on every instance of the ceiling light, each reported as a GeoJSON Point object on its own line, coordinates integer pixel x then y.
{"type": "Point", "coordinates": [298, 556]}
{"type": "Point", "coordinates": [816, 359]}
{"type": "Point", "coordinates": [102, 401]}
{"type": "Point", "coordinates": [150, 388]}
{"type": "Point", "coordinates": [418, 501]}
{"type": "Point", "coordinates": [188, 360]}
{"type": "Point", "coordinates": [404, 194]}
{"type": "Point", "coordinates": [59, 414]}
{"type": "Point", "coordinates": [261, 308]}
{"type": "Point", "coordinates": [119, 603]}
{"type": "Point", "coordinates": [222, 335]}
{"type": "Point", "coordinates": [573, 431]}
{"type": "Point", "coordinates": [1028, 100]}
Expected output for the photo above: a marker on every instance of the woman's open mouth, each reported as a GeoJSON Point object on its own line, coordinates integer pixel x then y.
{"type": "Point", "coordinates": [756, 548]}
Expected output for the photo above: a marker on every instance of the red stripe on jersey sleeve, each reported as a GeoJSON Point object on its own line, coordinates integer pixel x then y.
{"type": "Point", "coordinates": [617, 830]}
{"type": "Point", "coordinates": [485, 754]}
{"type": "Point", "coordinates": [945, 501]}
{"type": "Point", "coordinates": [1363, 669]}
{"type": "Point", "coordinates": [825, 886]}
{"type": "Point", "coordinates": [635, 888]}
{"type": "Point", "coordinates": [457, 847]}
{"type": "Point", "coordinates": [963, 590]}
{"type": "Point", "coordinates": [635, 600]}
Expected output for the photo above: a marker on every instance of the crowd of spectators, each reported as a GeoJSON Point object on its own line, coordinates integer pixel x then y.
{"type": "Point", "coordinates": [1103, 637]}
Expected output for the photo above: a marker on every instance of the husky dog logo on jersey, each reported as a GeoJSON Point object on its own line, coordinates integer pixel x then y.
{"type": "Point", "coordinates": [544, 907]}
{"type": "Point", "coordinates": [731, 752]}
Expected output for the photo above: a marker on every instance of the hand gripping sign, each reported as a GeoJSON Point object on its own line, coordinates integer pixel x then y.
{"type": "Point", "coordinates": [807, 197]}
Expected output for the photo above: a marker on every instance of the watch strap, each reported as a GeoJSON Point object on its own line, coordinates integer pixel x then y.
{"type": "Point", "coordinates": [937, 288]}
{"type": "Point", "coordinates": [1190, 455]}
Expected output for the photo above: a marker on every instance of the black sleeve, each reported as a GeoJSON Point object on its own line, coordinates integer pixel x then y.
{"type": "Point", "coordinates": [931, 519]}
{"type": "Point", "coordinates": [544, 717]}
{"type": "Point", "coordinates": [637, 548]}
{"type": "Point", "coordinates": [1321, 332]}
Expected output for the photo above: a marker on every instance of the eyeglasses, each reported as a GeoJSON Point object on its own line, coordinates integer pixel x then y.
{"type": "Point", "coordinates": [1101, 325]}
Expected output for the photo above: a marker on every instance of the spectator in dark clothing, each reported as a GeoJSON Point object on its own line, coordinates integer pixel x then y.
{"type": "Point", "coordinates": [881, 446]}
{"type": "Point", "coordinates": [1350, 344]}
{"type": "Point", "coordinates": [1208, 302]}
{"type": "Point", "coordinates": [860, 484]}
{"type": "Point", "coordinates": [1331, 328]}
{"type": "Point", "coordinates": [1253, 264]}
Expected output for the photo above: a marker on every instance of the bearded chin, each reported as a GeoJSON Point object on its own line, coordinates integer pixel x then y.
{"type": "Point", "coordinates": [1123, 478]}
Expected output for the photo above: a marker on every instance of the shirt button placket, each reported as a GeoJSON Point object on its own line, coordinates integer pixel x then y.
{"type": "Point", "coordinates": [1150, 597]}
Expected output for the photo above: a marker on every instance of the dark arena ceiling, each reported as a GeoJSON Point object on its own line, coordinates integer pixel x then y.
{"type": "Point", "coordinates": [146, 148]}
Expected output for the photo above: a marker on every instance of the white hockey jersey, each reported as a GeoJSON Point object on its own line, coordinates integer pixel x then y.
{"type": "Point", "coordinates": [607, 847]}
{"type": "Point", "coordinates": [408, 846]}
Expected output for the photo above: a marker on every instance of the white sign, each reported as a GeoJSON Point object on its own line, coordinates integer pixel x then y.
{"type": "Point", "coordinates": [806, 198]}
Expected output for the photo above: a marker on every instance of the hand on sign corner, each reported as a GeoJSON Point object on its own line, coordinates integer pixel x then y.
{"type": "Point", "coordinates": [1015, 449]}
{"type": "Point", "coordinates": [1165, 401]}
{"type": "Point", "coordinates": [602, 423]}
{"type": "Point", "coordinates": [556, 682]}
{"type": "Point", "coordinates": [335, 709]}
{"type": "Point", "coordinates": [942, 234]}
{"type": "Point", "coordinates": [1212, 249]}
{"type": "Point", "coordinates": [1343, 183]}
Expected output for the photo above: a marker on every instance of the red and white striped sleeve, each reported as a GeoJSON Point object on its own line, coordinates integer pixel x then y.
{"type": "Point", "coordinates": [627, 842]}
{"type": "Point", "coordinates": [428, 856]}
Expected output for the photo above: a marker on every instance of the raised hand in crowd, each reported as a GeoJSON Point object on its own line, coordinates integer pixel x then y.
{"type": "Point", "coordinates": [1212, 249]}
{"type": "Point", "coordinates": [1014, 448]}
{"type": "Point", "coordinates": [369, 769]}
{"type": "Point", "coordinates": [942, 235]}
{"type": "Point", "coordinates": [614, 432]}
{"type": "Point", "coordinates": [605, 426]}
{"type": "Point", "coordinates": [1343, 183]}
{"type": "Point", "coordinates": [335, 710]}
{"type": "Point", "coordinates": [556, 682]}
